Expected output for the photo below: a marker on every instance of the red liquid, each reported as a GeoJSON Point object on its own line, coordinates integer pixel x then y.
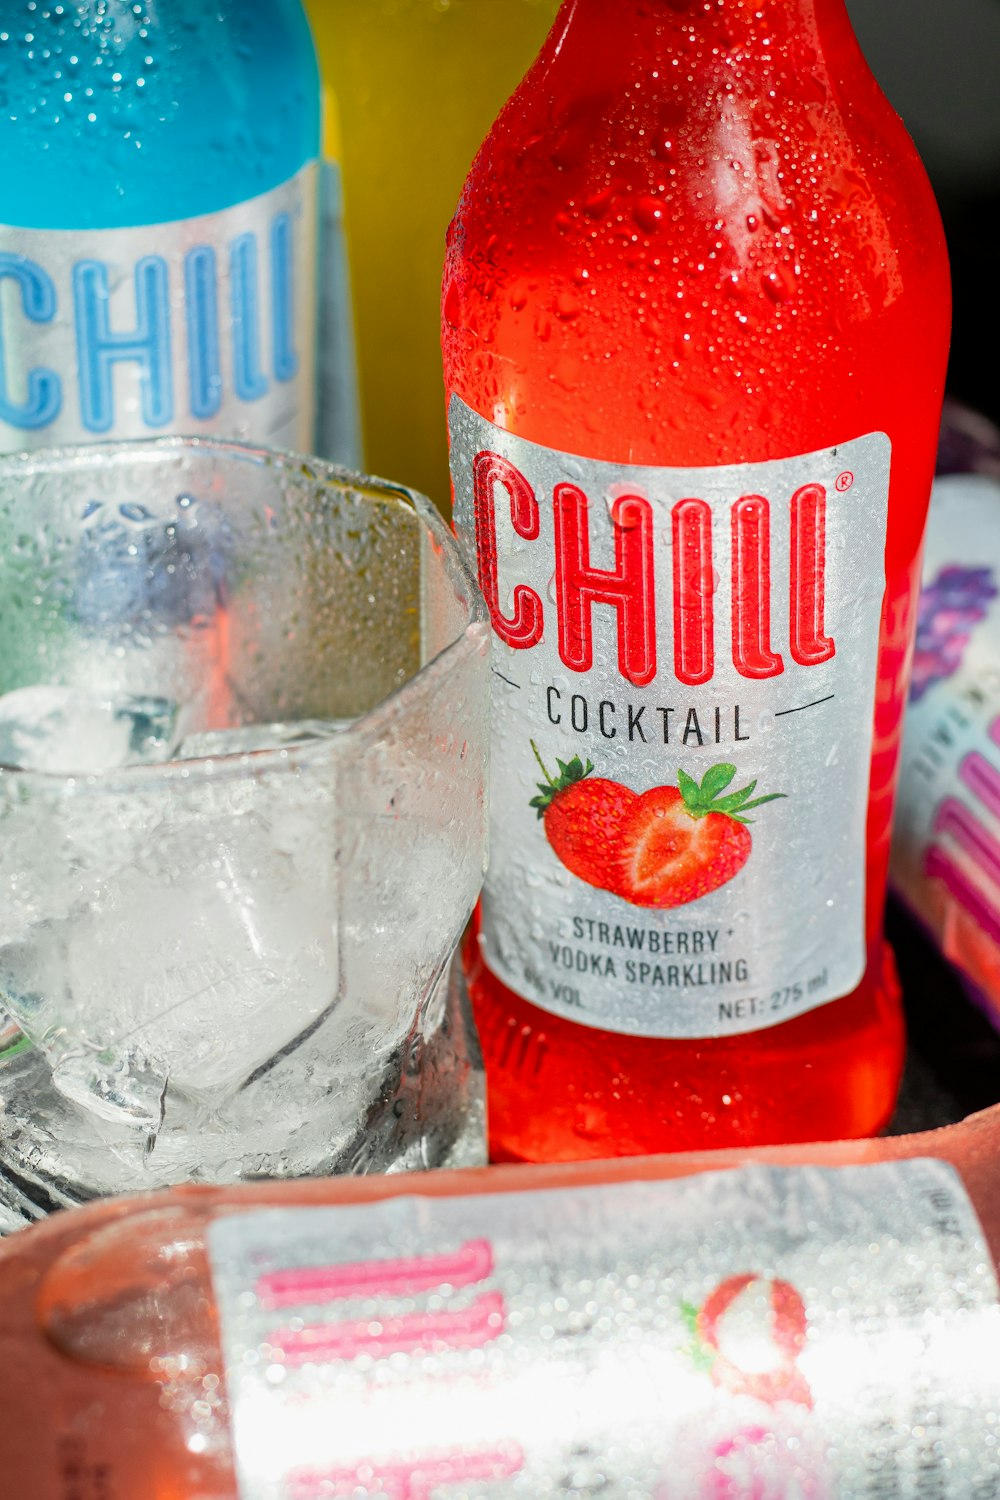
{"type": "Point", "coordinates": [698, 235]}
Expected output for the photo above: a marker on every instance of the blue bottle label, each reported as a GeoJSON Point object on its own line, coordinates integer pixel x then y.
{"type": "Point", "coordinates": [203, 325]}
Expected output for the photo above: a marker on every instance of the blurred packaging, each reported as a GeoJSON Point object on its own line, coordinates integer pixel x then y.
{"type": "Point", "coordinates": [418, 83]}
{"type": "Point", "coordinates": [946, 841]}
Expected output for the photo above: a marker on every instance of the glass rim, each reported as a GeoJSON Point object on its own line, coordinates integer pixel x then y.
{"type": "Point", "coordinates": [369, 726]}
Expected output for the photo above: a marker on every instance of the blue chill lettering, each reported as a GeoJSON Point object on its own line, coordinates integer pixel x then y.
{"type": "Point", "coordinates": [98, 349]}
{"type": "Point", "coordinates": [286, 361]}
{"type": "Point", "coordinates": [38, 301]}
{"type": "Point", "coordinates": [202, 305]}
{"type": "Point", "coordinates": [216, 322]}
{"type": "Point", "coordinates": [249, 379]}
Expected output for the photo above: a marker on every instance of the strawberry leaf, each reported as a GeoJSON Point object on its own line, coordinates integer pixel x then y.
{"type": "Point", "coordinates": [690, 790]}
{"type": "Point", "coordinates": [732, 804]}
{"type": "Point", "coordinates": [570, 772]}
{"type": "Point", "coordinates": [715, 780]}
{"type": "Point", "coordinates": [735, 801]}
{"type": "Point", "coordinates": [701, 800]}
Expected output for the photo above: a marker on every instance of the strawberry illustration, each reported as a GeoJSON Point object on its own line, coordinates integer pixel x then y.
{"type": "Point", "coordinates": [661, 848]}
{"type": "Point", "coordinates": [584, 817]}
{"type": "Point", "coordinates": [681, 843]}
{"type": "Point", "coordinates": [783, 1381]}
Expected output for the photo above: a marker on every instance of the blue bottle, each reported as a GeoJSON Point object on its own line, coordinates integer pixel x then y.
{"type": "Point", "coordinates": [158, 220]}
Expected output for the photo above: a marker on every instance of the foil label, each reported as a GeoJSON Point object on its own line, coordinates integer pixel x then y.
{"type": "Point", "coordinates": [785, 1333]}
{"type": "Point", "coordinates": [683, 695]}
{"type": "Point", "coordinates": [946, 837]}
{"type": "Point", "coordinates": [203, 325]}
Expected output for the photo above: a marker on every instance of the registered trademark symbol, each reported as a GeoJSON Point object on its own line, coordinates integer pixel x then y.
{"type": "Point", "coordinates": [845, 480]}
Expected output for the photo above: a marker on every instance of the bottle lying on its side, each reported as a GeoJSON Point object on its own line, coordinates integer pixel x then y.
{"type": "Point", "coordinates": [813, 1321]}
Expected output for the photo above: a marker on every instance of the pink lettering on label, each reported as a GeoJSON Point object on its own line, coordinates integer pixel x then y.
{"type": "Point", "coordinates": [955, 819]}
{"type": "Point", "coordinates": [756, 1464]}
{"type": "Point", "coordinates": [407, 1479]}
{"type": "Point", "coordinates": [982, 780]}
{"type": "Point", "coordinates": [376, 1278]}
{"type": "Point", "coordinates": [432, 1332]}
{"type": "Point", "coordinates": [937, 866]}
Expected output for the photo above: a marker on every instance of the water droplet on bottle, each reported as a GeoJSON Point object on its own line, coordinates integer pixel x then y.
{"type": "Point", "coordinates": [453, 306]}
{"type": "Point", "coordinates": [648, 213]}
{"type": "Point", "coordinates": [132, 510]}
{"type": "Point", "coordinates": [566, 307]}
{"type": "Point", "coordinates": [779, 284]}
{"type": "Point", "coordinates": [597, 206]}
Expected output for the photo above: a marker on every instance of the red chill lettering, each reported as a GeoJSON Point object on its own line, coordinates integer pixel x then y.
{"type": "Point", "coordinates": [628, 587]}
{"type": "Point", "coordinates": [752, 654]}
{"type": "Point", "coordinates": [694, 620]}
{"type": "Point", "coordinates": [809, 646]}
{"type": "Point", "coordinates": [524, 628]}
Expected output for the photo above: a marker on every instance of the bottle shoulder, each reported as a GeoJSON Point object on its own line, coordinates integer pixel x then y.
{"type": "Point", "coordinates": [126, 116]}
{"type": "Point", "coordinates": [713, 260]}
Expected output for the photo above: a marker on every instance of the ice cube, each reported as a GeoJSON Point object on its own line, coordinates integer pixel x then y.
{"type": "Point", "coordinates": [65, 731]}
{"type": "Point", "coordinates": [117, 1086]}
{"type": "Point", "coordinates": [250, 737]}
{"type": "Point", "coordinates": [205, 978]}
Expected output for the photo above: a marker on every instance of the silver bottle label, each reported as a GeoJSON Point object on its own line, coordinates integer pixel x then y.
{"type": "Point", "coordinates": [203, 325]}
{"type": "Point", "coordinates": [786, 1334]}
{"type": "Point", "coordinates": [684, 671]}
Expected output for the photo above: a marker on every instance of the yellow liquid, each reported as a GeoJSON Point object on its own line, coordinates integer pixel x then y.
{"type": "Point", "coordinates": [418, 84]}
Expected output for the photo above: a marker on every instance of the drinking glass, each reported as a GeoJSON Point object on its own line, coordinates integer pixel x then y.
{"type": "Point", "coordinates": [243, 765]}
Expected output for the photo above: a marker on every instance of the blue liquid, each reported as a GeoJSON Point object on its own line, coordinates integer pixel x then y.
{"type": "Point", "coordinates": [114, 113]}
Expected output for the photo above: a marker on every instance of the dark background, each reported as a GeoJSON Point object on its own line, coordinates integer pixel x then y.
{"type": "Point", "coordinates": [939, 63]}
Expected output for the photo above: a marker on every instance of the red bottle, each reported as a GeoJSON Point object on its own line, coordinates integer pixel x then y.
{"type": "Point", "coordinates": [695, 323]}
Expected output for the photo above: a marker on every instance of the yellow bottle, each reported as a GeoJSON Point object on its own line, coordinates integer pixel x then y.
{"type": "Point", "coordinates": [418, 83]}
{"type": "Point", "coordinates": [338, 424]}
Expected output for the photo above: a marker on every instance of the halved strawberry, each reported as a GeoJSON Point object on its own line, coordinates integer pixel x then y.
{"type": "Point", "coordinates": [681, 843]}
{"type": "Point", "coordinates": [584, 819]}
